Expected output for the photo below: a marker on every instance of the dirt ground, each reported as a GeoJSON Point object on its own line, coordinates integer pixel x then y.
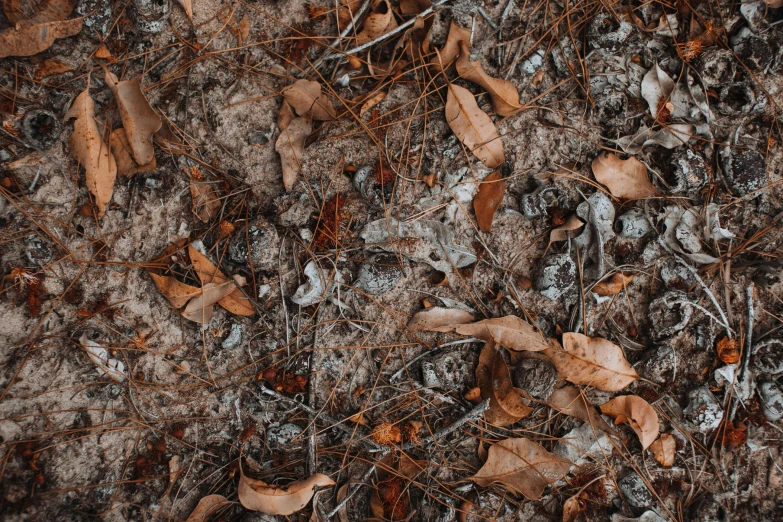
{"type": "Point", "coordinates": [194, 403]}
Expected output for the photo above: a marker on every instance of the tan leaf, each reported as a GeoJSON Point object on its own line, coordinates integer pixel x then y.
{"type": "Point", "coordinates": [522, 466]}
{"type": "Point", "coordinates": [592, 361]}
{"type": "Point", "coordinates": [25, 12]}
{"type": "Point", "coordinates": [206, 507]}
{"type": "Point", "coordinates": [438, 319]}
{"type": "Point", "coordinates": [372, 102]}
{"type": "Point", "coordinates": [565, 230]}
{"type": "Point", "coordinates": [243, 29]}
{"type": "Point", "coordinates": [285, 116]}
{"type": "Point", "coordinates": [102, 52]}
{"type": "Point", "coordinates": [176, 292]}
{"type": "Point", "coordinates": [138, 118]}
{"type": "Point", "coordinates": [120, 149]}
{"type": "Point", "coordinates": [624, 178]}
{"type": "Point", "coordinates": [572, 508]}
{"type": "Point", "coordinates": [379, 22]}
{"type": "Point", "coordinates": [32, 39]}
{"type": "Point", "coordinates": [187, 5]}
{"type": "Point", "coordinates": [505, 98]}
{"type": "Point", "coordinates": [89, 149]}
{"type": "Point", "coordinates": [663, 449]}
{"type": "Point", "coordinates": [51, 67]}
{"type": "Point", "coordinates": [347, 11]}
{"type": "Point", "coordinates": [206, 203]}
{"type": "Point", "coordinates": [450, 50]}
{"type": "Point", "coordinates": [235, 302]}
{"type": "Point", "coordinates": [305, 98]}
{"type": "Point", "coordinates": [256, 495]}
{"type": "Point", "coordinates": [506, 405]}
{"type": "Point", "coordinates": [415, 39]}
{"type": "Point", "coordinates": [488, 199]}
{"type": "Point", "coordinates": [473, 127]}
{"type": "Point", "coordinates": [200, 308]}
{"type": "Point", "coordinates": [570, 401]}
{"type": "Point", "coordinates": [290, 145]}
{"type": "Point", "coordinates": [638, 413]}
{"type": "Point", "coordinates": [613, 285]}
{"type": "Point", "coordinates": [509, 332]}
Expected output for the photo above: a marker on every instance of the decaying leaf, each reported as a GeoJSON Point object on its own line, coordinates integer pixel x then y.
{"type": "Point", "coordinates": [243, 29]}
{"type": "Point", "coordinates": [32, 39]}
{"type": "Point", "coordinates": [592, 361]}
{"type": "Point", "coordinates": [100, 358]}
{"type": "Point", "coordinates": [488, 199]}
{"type": "Point", "coordinates": [177, 293]}
{"type": "Point", "coordinates": [256, 495]}
{"type": "Point", "coordinates": [569, 229]}
{"type": "Point", "coordinates": [613, 285]}
{"type": "Point", "coordinates": [450, 50]}
{"type": "Point", "coordinates": [669, 137]}
{"type": "Point", "coordinates": [505, 98]}
{"type": "Point", "coordinates": [305, 97]}
{"type": "Point", "coordinates": [657, 88]}
{"type": "Point", "coordinates": [201, 308]}
{"type": "Point", "coordinates": [438, 319]}
{"type": "Point", "coordinates": [285, 116]}
{"type": "Point", "coordinates": [509, 332]}
{"type": "Point", "coordinates": [569, 400]}
{"type": "Point", "coordinates": [206, 507]}
{"type": "Point", "coordinates": [102, 52]}
{"type": "Point", "coordinates": [415, 39]}
{"type": "Point", "coordinates": [638, 413]}
{"type": "Point", "coordinates": [290, 145]}
{"type": "Point", "coordinates": [573, 507]}
{"type": "Point", "coordinates": [120, 149]}
{"type": "Point", "coordinates": [25, 12]}
{"type": "Point", "coordinates": [91, 151]}
{"type": "Point", "coordinates": [206, 203]}
{"type": "Point", "coordinates": [473, 127]}
{"type": "Point", "coordinates": [347, 11]}
{"type": "Point", "coordinates": [187, 5]}
{"type": "Point", "coordinates": [389, 500]}
{"type": "Point", "coordinates": [506, 405]}
{"type": "Point", "coordinates": [138, 118]}
{"type": "Point", "coordinates": [522, 466]}
{"type": "Point", "coordinates": [235, 302]}
{"type": "Point", "coordinates": [624, 178]}
{"type": "Point", "coordinates": [372, 102]}
{"type": "Point", "coordinates": [379, 22]}
{"type": "Point", "coordinates": [663, 449]}
{"type": "Point", "coordinates": [51, 67]}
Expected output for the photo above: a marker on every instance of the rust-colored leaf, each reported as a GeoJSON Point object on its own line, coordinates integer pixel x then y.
{"type": "Point", "coordinates": [473, 127]}
{"type": "Point", "coordinates": [624, 178]}
{"type": "Point", "coordinates": [235, 302]}
{"type": "Point", "coordinates": [51, 67]}
{"type": "Point", "coordinates": [25, 12]}
{"type": "Point", "coordinates": [379, 22]}
{"type": "Point", "coordinates": [120, 149]}
{"type": "Point", "coordinates": [613, 285]}
{"type": "Point", "coordinates": [372, 102]}
{"type": "Point", "coordinates": [488, 199]}
{"type": "Point", "coordinates": [570, 401]}
{"type": "Point", "coordinates": [505, 98]}
{"type": "Point", "coordinates": [177, 293]}
{"type": "Point", "coordinates": [592, 361]}
{"type": "Point", "coordinates": [663, 450]}
{"type": "Point", "coordinates": [638, 413]}
{"type": "Point", "coordinates": [506, 405]}
{"type": "Point", "coordinates": [138, 118]}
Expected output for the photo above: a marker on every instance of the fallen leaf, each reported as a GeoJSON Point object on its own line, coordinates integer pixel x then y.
{"type": "Point", "coordinates": [51, 67]}
{"type": "Point", "coordinates": [120, 149]}
{"type": "Point", "coordinates": [657, 88]}
{"type": "Point", "coordinates": [613, 285]}
{"type": "Point", "coordinates": [102, 52]}
{"type": "Point", "coordinates": [29, 40]}
{"type": "Point", "coordinates": [438, 319]}
{"type": "Point", "coordinates": [206, 507]}
{"type": "Point", "coordinates": [285, 116]}
{"type": "Point", "coordinates": [728, 350]}
{"type": "Point", "coordinates": [306, 99]}
{"type": "Point", "coordinates": [488, 199]}
{"type": "Point", "coordinates": [624, 178]}
{"type": "Point", "coordinates": [473, 127]}
{"type": "Point", "coordinates": [389, 500]}
{"type": "Point", "coordinates": [187, 5]}
{"type": "Point", "coordinates": [415, 39]}
{"type": "Point", "coordinates": [89, 149]}
{"type": "Point", "coordinates": [138, 118]}
{"type": "Point", "coordinates": [372, 102]}
{"type": "Point", "coordinates": [347, 11]}
{"type": "Point", "coordinates": [450, 50]}
{"type": "Point", "coordinates": [563, 232]}
{"type": "Point", "coordinates": [256, 495]}
{"type": "Point", "coordinates": [592, 361]}
{"type": "Point", "coordinates": [509, 332]}
{"type": "Point", "coordinates": [177, 293]}
{"type": "Point", "coordinates": [243, 29]}
{"type": "Point", "coordinates": [638, 413]}
{"type": "Point", "coordinates": [201, 308]}
{"type": "Point", "coordinates": [506, 405]}
{"type": "Point", "coordinates": [522, 466]}
{"type": "Point", "coordinates": [235, 302]}
{"type": "Point", "coordinates": [774, 4]}
{"type": "Point", "coordinates": [19, 11]}
{"type": "Point", "coordinates": [290, 145]}
{"type": "Point", "coordinates": [378, 23]}
{"type": "Point", "coordinates": [570, 401]}
{"type": "Point", "coordinates": [663, 450]}
{"type": "Point", "coordinates": [669, 137]}
{"type": "Point", "coordinates": [505, 98]}
{"type": "Point", "coordinates": [206, 203]}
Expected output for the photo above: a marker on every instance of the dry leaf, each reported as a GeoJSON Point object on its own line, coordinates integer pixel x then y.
{"type": "Point", "coordinates": [592, 361]}
{"type": "Point", "coordinates": [573, 508]}
{"type": "Point", "coordinates": [473, 127]}
{"type": "Point", "coordinates": [347, 11]}
{"type": "Point", "coordinates": [570, 401]}
{"type": "Point", "coordinates": [177, 293]}
{"type": "Point", "coordinates": [256, 495]}
{"type": "Point", "coordinates": [305, 98]}
{"type": "Point", "coordinates": [290, 145]}
{"type": "Point", "coordinates": [774, 4]}
{"type": "Point", "coordinates": [372, 102]}
{"type": "Point", "coordinates": [138, 118]}
{"type": "Point", "coordinates": [450, 50]}
{"type": "Point", "coordinates": [201, 308]}
{"type": "Point", "coordinates": [505, 98]}
{"type": "Point", "coordinates": [206, 507]}
{"type": "Point", "coordinates": [120, 149]}
{"type": "Point", "coordinates": [522, 466]}
{"type": "Point", "coordinates": [728, 350]}
{"type": "Point", "coordinates": [638, 413]}
{"type": "Point", "coordinates": [187, 5]}
{"type": "Point", "coordinates": [415, 39]}
{"type": "Point", "coordinates": [285, 116]}
{"type": "Point", "coordinates": [102, 52]}
{"type": "Point", "coordinates": [509, 332]}
{"type": "Point", "coordinates": [206, 203]}
{"type": "Point", "coordinates": [663, 449]}
{"type": "Point", "coordinates": [657, 88]}
{"type": "Point", "coordinates": [379, 22]}
{"type": "Point", "coordinates": [506, 405]}
{"type": "Point", "coordinates": [488, 199]}
{"type": "Point", "coordinates": [235, 302]}
{"type": "Point", "coordinates": [89, 149]}
{"type": "Point", "coordinates": [563, 232]}
{"type": "Point", "coordinates": [243, 29]}
{"type": "Point", "coordinates": [51, 67]}
{"type": "Point", "coordinates": [624, 178]}
{"type": "Point", "coordinates": [25, 12]}
{"type": "Point", "coordinates": [32, 39]}
{"type": "Point", "coordinates": [438, 319]}
{"type": "Point", "coordinates": [613, 285]}
{"type": "Point", "coordinates": [389, 500]}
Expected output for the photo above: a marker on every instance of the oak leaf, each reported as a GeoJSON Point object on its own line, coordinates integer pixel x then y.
{"type": "Point", "coordinates": [506, 405]}
{"type": "Point", "coordinates": [663, 449]}
{"type": "Point", "coordinates": [290, 145]}
{"type": "Point", "coordinates": [488, 199]}
{"type": "Point", "coordinates": [206, 507]}
{"type": "Point", "coordinates": [138, 118]}
{"type": "Point", "coordinates": [505, 98]}
{"type": "Point", "coordinates": [256, 495]}
{"type": "Point", "coordinates": [29, 40]}
{"type": "Point", "coordinates": [638, 413]}
{"type": "Point", "coordinates": [624, 178]}
{"type": "Point", "coordinates": [235, 302]}
{"type": "Point", "coordinates": [201, 308]}
{"type": "Point", "coordinates": [120, 149]}
{"type": "Point", "coordinates": [450, 50]}
{"type": "Point", "coordinates": [509, 332]}
{"type": "Point", "coordinates": [473, 127]}
{"type": "Point", "coordinates": [177, 293]}
{"type": "Point", "coordinates": [439, 319]}
{"type": "Point", "coordinates": [570, 401]}
{"type": "Point", "coordinates": [592, 361]}
{"type": "Point", "coordinates": [305, 98]}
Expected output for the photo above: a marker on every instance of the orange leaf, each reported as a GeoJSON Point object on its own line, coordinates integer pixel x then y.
{"type": "Point", "coordinates": [488, 199]}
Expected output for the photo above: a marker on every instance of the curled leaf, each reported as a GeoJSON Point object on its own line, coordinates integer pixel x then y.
{"type": "Point", "coordinates": [624, 178]}
{"type": "Point", "coordinates": [438, 319]}
{"type": "Point", "coordinates": [206, 507]}
{"type": "Point", "coordinates": [256, 495]}
{"type": "Point", "coordinates": [473, 127]}
{"type": "Point", "coordinates": [235, 302]}
{"type": "Point", "coordinates": [450, 50]}
{"type": "Point", "coordinates": [177, 293]}
{"type": "Point", "coordinates": [657, 88]}
{"type": "Point", "coordinates": [663, 449]}
{"type": "Point", "coordinates": [29, 40]}
{"type": "Point", "coordinates": [509, 332]}
{"type": "Point", "coordinates": [378, 23]}
{"type": "Point", "coordinates": [488, 199]}
{"type": "Point", "coordinates": [564, 231]}
{"type": "Point", "coordinates": [290, 145]}
{"type": "Point", "coordinates": [138, 118]}
{"type": "Point", "coordinates": [120, 149]}
{"type": "Point", "coordinates": [505, 98]}
{"type": "Point", "coordinates": [573, 507]}
{"type": "Point", "coordinates": [51, 67]}
{"type": "Point", "coordinates": [638, 413]}
{"type": "Point", "coordinates": [506, 405]}
{"type": "Point", "coordinates": [569, 400]}
{"type": "Point", "coordinates": [669, 137]}
{"type": "Point", "coordinates": [306, 99]}
{"type": "Point", "coordinates": [613, 285]}
{"type": "Point", "coordinates": [201, 308]}
{"type": "Point", "coordinates": [592, 361]}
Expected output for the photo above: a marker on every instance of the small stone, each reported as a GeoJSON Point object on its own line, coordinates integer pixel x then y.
{"type": "Point", "coordinates": [538, 202]}
{"type": "Point", "coordinates": [556, 276]}
{"type": "Point", "coordinates": [379, 274]}
{"type": "Point", "coordinates": [635, 491]}
{"type": "Point", "coordinates": [668, 314]}
{"type": "Point", "coordinates": [690, 173]}
{"type": "Point", "coordinates": [745, 169]}
{"type": "Point", "coordinates": [451, 370]}
{"type": "Point", "coordinates": [234, 338]}
{"type": "Point", "coordinates": [647, 516]}
{"type": "Point", "coordinates": [608, 32]}
{"type": "Point", "coordinates": [258, 138]}
{"type": "Point", "coordinates": [97, 15]}
{"type": "Point", "coordinates": [152, 183]}
{"type": "Point", "coordinates": [37, 250]}
{"type": "Point", "coordinates": [771, 400]}
{"type": "Point", "coordinates": [752, 50]}
{"type": "Point", "coordinates": [41, 128]}
{"type": "Point", "coordinates": [703, 409]}
{"type": "Point", "coordinates": [151, 15]}
{"type": "Point", "coordinates": [676, 276]}
{"type": "Point", "coordinates": [659, 367]}
{"type": "Point", "coordinates": [535, 376]}
{"type": "Point", "coordinates": [280, 436]}
{"type": "Point", "coordinates": [716, 67]}
{"type": "Point", "coordinates": [768, 356]}
{"type": "Point", "coordinates": [428, 375]}
{"type": "Point", "coordinates": [632, 224]}
{"type": "Point", "coordinates": [264, 242]}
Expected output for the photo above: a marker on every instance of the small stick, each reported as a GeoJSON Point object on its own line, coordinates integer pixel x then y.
{"type": "Point", "coordinates": [744, 383]}
{"type": "Point", "coordinates": [350, 493]}
{"type": "Point", "coordinates": [487, 19]}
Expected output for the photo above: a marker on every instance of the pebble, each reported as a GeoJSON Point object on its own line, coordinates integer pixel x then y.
{"type": "Point", "coordinates": [535, 376]}
{"type": "Point", "coordinates": [745, 169]}
{"type": "Point", "coordinates": [771, 400]}
{"type": "Point", "coordinates": [37, 250]}
{"type": "Point", "coordinates": [451, 370]}
{"type": "Point", "coordinates": [635, 492]}
{"type": "Point", "coordinates": [606, 32]}
{"type": "Point", "coordinates": [556, 276]}
{"type": "Point", "coordinates": [716, 67]}
{"type": "Point", "coordinates": [282, 435]}
{"type": "Point", "coordinates": [537, 202]}
{"type": "Point", "coordinates": [659, 368]}
{"type": "Point", "coordinates": [632, 224]}
{"type": "Point", "coordinates": [151, 15]}
{"type": "Point", "coordinates": [264, 241]}
{"type": "Point", "coordinates": [703, 409]}
{"type": "Point", "coordinates": [666, 318]}
{"type": "Point", "coordinates": [379, 274]}
{"type": "Point", "coordinates": [690, 172]}
{"type": "Point", "coordinates": [234, 338]}
{"type": "Point", "coordinates": [768, 356]}
{"type": "Point", "coordinates": [647, 516]}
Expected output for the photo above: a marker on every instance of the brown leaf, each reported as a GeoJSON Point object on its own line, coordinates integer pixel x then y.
{"type": "Point", "coordinates": [509, 332]}
{"type": "Point", "coordinates": [206, 203]}
{"type": "Point", "coordinates": [613, 285]}
{"type": "Point", "coordinates": [138, 118]}
{"type": "Point", "coordinates": [663, 449]}
{"type": "Point", "coordinates": [102, 52]}
{"type": "Point", "coordinates": [573, 508]}
{"type": "Point", "coordinates": [235, 302]}
{"type": "Point", "coordinates": [51, 67]}
{"type": "Point", "coordinates": [372, 102]}
{"type": "Point", "coordinates": [32, 39]}
{"type": "Point", "coordinates": [415, 39]}
{"type": "Point", "coordinates": [200, 308]}
{"type": "Point", "coordinates": [473, 127]}
{"type": "Point", "coordinates": [565, 230]}
{"type": "Point", "coordinates": [176, 292]}
{"type": "Point", "coordinates": [120, 149]}
{"type": "Point", "coordinates": [379, 22]}
{"type": "Point", "coordinates": [638, 413]}
{"type": "Point", "coordinates": [206, 507]}
{"type": "Point", "coordinates": [285, 116]}
{"type": "Point", "coordinates": [624, 178]}
{"type": "Point", "coordinates": [450, 50]}
{"type": "Point", "coordinates": [438, 319]}
{"type": "Point", "coordinates": [522, 466]}
{"type": "Point", "coordinates": [25, 13]}
{"type": "Point", "coordinates": [290, 145]}
{"type": "Point", "coordinates": [187, 5]}
{"type": "Point", "coordinates": [506, 405]}
{"type": "Point", "coordinates": [89, 149]}
{"type": "Point", "coordinates": [592, 361]}
{"type": "Point", "coordinates": [505, 98]}
{"type": "Point", "coordinates": [305, 98]}
{"type": "Point", "coordinates": [347, 11]}
{"type": "Point", "coordinates": [243, 29]}
{"type": "Point", "coordinates": [728, 350]}
{"type": "Point", "coordinates": [488, 199]}
{"type": "Point", "coordinates": [570, 401]}
{"type": "Point", "coordinates": [388, 500]}
{"type": "Point", "coordinates": [256, 495]}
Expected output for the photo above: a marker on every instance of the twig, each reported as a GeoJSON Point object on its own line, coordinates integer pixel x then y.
{"type": "Point", "coordinates": [350, 493]}
{"type": "Point", "coordinates": [487, 19]}
{"type": "Point", "coordinates": [407, 365]}
{"type": "Point", "coordinates": [344, 33]}
{"type": "Point", "coordinates": [470, 416]}
{"type": "Point", "coordinates": [744, 381]}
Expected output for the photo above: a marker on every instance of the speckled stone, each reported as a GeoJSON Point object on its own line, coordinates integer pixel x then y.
{"type": "Point", "coordinates": [703, 409]}
{"type": "Point", "coordinates": [379, 274]}
{"type": "Point", "coordinates": [556, 276]}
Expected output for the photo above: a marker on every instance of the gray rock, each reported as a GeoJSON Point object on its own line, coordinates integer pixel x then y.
{"type": "Point", "coordinates": [768, 356]}
{"type": "Point", "coordinates": [537, 202]}
{"type": "Point", "coordinates": [668, 314]}
{"type": "Point", "coordinates": [234, 338]}
{"type": "Point", "coordinates": [633, 224]}
{"type": "Point", "coordinates": [280, 436]}
{"type": "Point", "coordinates": [703, 409]}
{"type": "Point", "coordinates": [659, 367]}
{"type": "Point", "coordinates": [647, 516]}
{"type": "Point", "coordinates": [429, 376]}
{"type": "Point", "coordinates": [716, 67]}
{"type": "Point", "coordinates": [535, 376]}
{"type": "Point", "coordinates": [97, 15]}
{"type": "Point", "coordinates": [451, 370]}
{"type": "Point", "coordinates": [635, 492]}
{"type": "Point", "coordinates": [745, 169]}
{"type": "Point", "coordinates": [690, 173]}
{"type": "Point", "coordinates": [41, 128]}
{"type": "Point", "coordinates": [379, 274]}
{"type": "Point", "coordinates": [608, 32]}
{"type": "Point", "coordinates": [676, 276]}
{"type": "Point", "coordinates": [151, 15]}
{"type": "Point", "coordinates": [771, 400]}
{"type": "Point", "coordinates": [264, 242]}
{"type": "Point", "coordinates": [556, 276]}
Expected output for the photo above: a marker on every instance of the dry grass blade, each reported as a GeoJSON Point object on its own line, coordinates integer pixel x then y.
{"type": "Point", "coordinates": [473, 127]}
{"type": "Point", "coordinates": [138, 118]}
{"type": "Point", "coordinates": [33, 39]}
